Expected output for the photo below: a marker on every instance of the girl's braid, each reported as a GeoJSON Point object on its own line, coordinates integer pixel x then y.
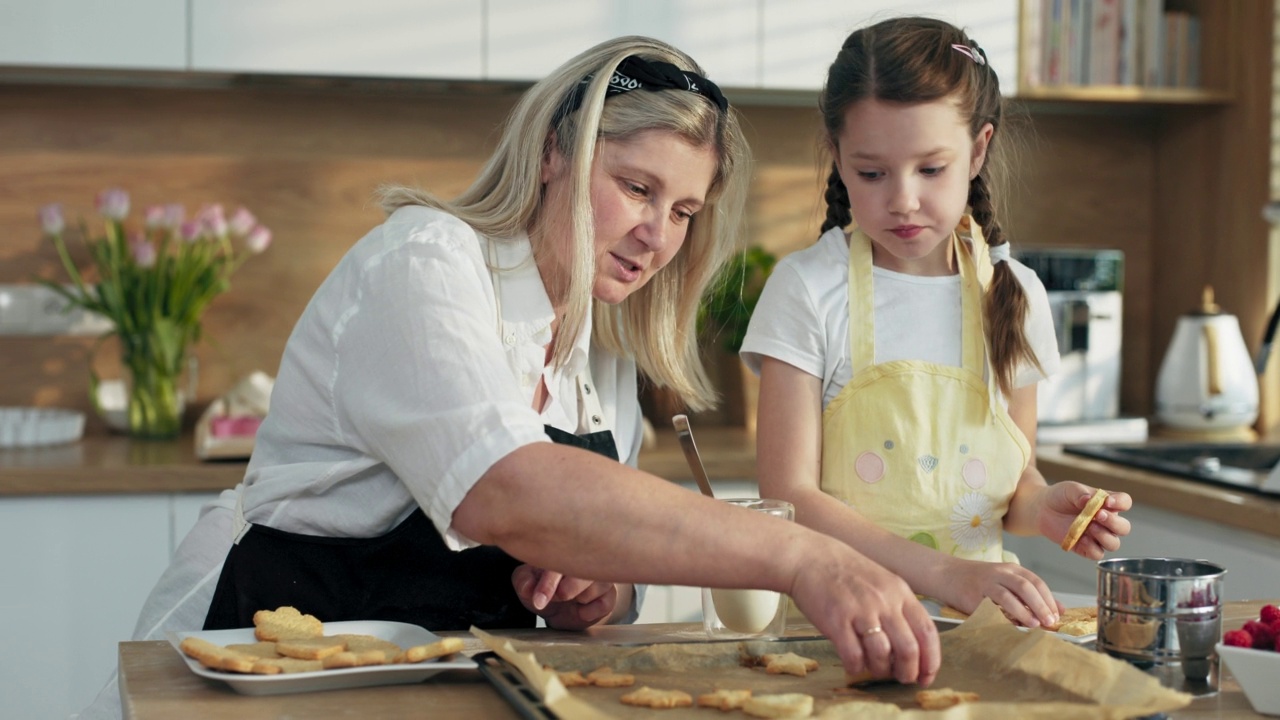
{"type": "Point", "coordinates": [837, 197]}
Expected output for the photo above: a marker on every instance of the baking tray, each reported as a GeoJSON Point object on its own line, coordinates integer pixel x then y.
{"type": "Point", "coordinates": [511, 685]}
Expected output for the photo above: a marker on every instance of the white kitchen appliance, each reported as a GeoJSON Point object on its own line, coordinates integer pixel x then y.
{"type": "Point", "coordinates": [1081, 402]}
{"type": "Point", "coordinates": [1207, 386]}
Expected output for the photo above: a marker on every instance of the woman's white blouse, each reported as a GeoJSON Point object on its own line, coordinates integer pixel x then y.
{"type": "Point", "coordinates": [399, 386]}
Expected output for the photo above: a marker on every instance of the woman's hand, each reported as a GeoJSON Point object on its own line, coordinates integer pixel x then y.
{"type": "Point", "coordinates": [1020, 593]}
{"type": "Point", "coordinates": [1063, 501]}
{"type": "Point", "coordinates": [871, 615]}
{"type": "Point", "coordinates": [566, 603]}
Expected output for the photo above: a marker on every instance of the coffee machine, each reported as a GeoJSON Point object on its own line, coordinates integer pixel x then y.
{"type": "Point", "coordinates": [1081, 402]}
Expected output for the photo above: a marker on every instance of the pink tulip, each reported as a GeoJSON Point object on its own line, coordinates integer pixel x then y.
{"type": "Point", "coordinates": [242, 222]}
{"type": "Point", "coordinates": [154, 218]}
{"type": "Point", "coordinates": [190, 230]}
{"type": "Point", "coordinates": [174, 214]}
{"type": "Point", "coordinates": [144, 253]}
{"type": "Point", "coordinates": [51, 219]}
{"type": "Point", "coordinates": [113, 203]}
{"type": "Point", "coordinates": [258, 239]}
{"type": "Point", "coordinates": [212, 219]}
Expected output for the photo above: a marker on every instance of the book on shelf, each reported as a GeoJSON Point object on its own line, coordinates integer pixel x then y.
{"type": "Point", "coordinates": [1109, 43]}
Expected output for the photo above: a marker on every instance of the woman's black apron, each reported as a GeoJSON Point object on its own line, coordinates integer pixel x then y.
{"type": "Point", "coordinates": [407, 575]}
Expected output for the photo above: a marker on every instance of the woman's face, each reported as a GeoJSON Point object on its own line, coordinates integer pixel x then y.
{"type": "Point", "coordinates": [643, 194]}
{"type": "Point", "coordinates": [907, 169]}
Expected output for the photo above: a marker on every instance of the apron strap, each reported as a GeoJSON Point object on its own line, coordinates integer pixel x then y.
{"type": "Point", "coordinates": [862, 320]}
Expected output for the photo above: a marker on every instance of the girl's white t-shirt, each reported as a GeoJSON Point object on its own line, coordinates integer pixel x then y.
{"type": "Point", "coordinates": [803, 317]}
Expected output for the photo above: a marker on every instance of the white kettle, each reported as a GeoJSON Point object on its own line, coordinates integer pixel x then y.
{"type": "Point", "coordinates": [1207, 380]}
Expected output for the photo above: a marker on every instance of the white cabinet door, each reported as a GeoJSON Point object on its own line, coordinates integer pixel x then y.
{"type": "Point", "coordinates": [802, 37]}
{"type": "Point", "coordinates": [387, 38]}
{"type": "Point", "coordinates": [75, 571]}
{"type": "Point", "coordinates": [527, 40]}
{"type": "Point", "coordinates": [140, 34]}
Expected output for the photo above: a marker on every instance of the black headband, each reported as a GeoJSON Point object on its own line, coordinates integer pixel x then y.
{"type": "Point", "coordinates": [636, 73]}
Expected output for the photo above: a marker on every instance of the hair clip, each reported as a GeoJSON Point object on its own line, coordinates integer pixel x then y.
{"type": "Point", "coordinates": [974, 55]}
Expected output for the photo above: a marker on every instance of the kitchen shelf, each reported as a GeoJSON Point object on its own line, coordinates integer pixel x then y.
{"type": "Point", "coordinates": [1125, 94]}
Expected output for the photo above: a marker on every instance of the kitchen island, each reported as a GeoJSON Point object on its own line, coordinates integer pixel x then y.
{"type": "Point", "coordinates": [156, 683]}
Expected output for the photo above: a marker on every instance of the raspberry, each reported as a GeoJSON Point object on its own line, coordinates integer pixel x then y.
{"type": "Point", "coordinates": [1270, 614]}
{"type": "Point", "coordinates": [1238, 638]}
{"type": "Point", "coordinates": [1277, 647]}
{"type": "Point", "coordinates": [1262, 634]}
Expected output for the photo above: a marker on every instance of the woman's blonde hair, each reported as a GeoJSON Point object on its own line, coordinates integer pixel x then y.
{"type": "Point", "coordinates": [657, 324]}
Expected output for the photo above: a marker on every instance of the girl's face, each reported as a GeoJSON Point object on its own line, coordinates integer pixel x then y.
{"type": "Point", "coordinates": [644, 191]}
{"type": "Point", "coordinates": [907, 168]}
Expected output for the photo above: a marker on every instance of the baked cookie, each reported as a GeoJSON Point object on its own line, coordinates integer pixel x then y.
{"type": "Point", "coordinates": [348, 659]}
{"type": "Point", "coordinates": [657, 699]}
{"type": "Point", "coordinates": [360, 643]}
{"type": "Point", "coordinates": [573, 678]}
{"type": "Point", "coordinates": [310, 648]}
{"type": "Point", "coordinates": [285, 623]}
{"type": "Point", "coordinates": [784, 705]}
{"type": "Point", "coordinates": [943, 698]}
{"type": "Point", "coordinates": [430, 651]}
{"type": "Point", "coordinates": [724, 699]}
{"type": "Point", "coordinates": [605, 677]}
{"type": "Point", "coordinates": [1078, 526]}
{"type": "Point", "coordinates": [788, 663]}
{"type": "Point", "coordinates": [216, 657]}
{"type": "Point", "coordinates": [872, 710]}
{"type": "Point", "coordinates": [262, 649]}
{"type": "Point", "coordinates": [286, 665]}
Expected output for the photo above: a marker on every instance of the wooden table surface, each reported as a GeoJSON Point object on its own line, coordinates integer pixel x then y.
{"type": "Point", "coordinates": [156, 684]}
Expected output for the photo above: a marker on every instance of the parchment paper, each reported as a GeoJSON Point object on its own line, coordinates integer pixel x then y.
{"type": "Point", "coordinates": [1019, 675]}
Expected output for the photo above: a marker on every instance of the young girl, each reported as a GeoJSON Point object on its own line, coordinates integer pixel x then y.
{"type": "Point", "coordinates": [884, 416]}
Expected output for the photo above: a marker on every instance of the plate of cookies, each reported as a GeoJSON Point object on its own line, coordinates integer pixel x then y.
{"type": "Point", "coordinates": [289, 652]}
{"type": "Point", "coordinates": [1078, 623]}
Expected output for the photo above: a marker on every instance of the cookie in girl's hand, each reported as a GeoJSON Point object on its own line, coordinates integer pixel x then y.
{"type": "Point", "coordinates": [1081, 523]}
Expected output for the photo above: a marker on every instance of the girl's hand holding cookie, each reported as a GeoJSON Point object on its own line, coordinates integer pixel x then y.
{"type": "Point", "coordinates": [566, 603]}
{"type": "Point", "coordinates": [1062, 507]}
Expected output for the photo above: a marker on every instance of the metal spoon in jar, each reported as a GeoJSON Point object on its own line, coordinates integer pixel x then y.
{"type": "Point", "coordinates": [685, 435]}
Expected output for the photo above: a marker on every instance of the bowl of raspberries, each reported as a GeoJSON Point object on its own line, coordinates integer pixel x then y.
{"type": "Point", "coordinates": [1252, 653]}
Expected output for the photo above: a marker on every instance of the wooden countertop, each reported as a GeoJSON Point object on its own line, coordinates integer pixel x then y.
{"type": "Point", "coordinates": [109, 464]}
{"type": "Point", "coordinates": [155, 683]}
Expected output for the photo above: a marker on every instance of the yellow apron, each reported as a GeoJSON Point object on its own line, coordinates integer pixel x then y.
{"type": "Point", "coordinates": [926, 451]}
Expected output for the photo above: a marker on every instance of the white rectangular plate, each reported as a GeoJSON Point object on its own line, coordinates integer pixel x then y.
{"type": "Point", "coordinates": [1068, 600]}
{"type": "Point", "coordinates": [402, 634]}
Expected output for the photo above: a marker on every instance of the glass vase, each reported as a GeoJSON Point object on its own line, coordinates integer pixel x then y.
{"type": "Point", "coordinates": [154, 385]}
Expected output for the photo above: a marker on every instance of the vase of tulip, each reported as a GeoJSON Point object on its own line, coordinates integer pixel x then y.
{"type": "Point", "coordinates": [153, 285]}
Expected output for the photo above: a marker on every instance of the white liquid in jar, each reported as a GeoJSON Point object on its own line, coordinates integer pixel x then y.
{"type": "Point", "coordinates": [745, 611]}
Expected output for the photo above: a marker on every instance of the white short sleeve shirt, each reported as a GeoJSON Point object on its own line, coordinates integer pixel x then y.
{"type": "Point", "coordinates": [399, 387]}
{"type": "Point", "coordinates": [802, 317]}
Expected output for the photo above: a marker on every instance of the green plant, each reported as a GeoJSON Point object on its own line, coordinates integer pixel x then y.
{"type": "Point", "coordinates": [727, 308]}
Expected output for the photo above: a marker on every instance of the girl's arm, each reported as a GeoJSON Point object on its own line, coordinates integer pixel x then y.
{"type": "Point", "coordinates": [1038, 508]}
{"type": "Point", "coordinates": [789, 464]}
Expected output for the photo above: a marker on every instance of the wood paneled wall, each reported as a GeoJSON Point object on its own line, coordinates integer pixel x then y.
{"type": "Point", "coordinates": [307, 161]}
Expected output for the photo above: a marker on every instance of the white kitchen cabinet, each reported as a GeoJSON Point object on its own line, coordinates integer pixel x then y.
{"type": "Point", "coordinates": [76, 571]}
{"type": "Point", "coordinates": [802, 37]}
{"type": "Point", "coordinates": [527, 40]}
{"type": "Point", "coordinates": [1252, 561]}
{"type": "Point", "coordinates": [138, 35]}
{"type": "Point", "coordinates": [385, 38]}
